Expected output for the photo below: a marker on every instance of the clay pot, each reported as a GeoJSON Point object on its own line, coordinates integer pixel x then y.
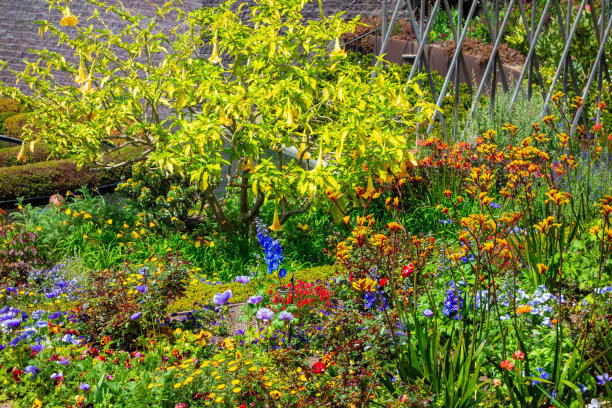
{"type": "Point", "coordinates": [56, 200]}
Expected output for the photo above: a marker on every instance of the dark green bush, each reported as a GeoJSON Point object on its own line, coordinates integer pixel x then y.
{"type": "Point", "coordinates": [55, 176]}
{"type": "Point", "coordinates": [8, 156]}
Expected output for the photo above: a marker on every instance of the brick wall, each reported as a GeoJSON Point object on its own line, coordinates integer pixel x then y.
{"type": "Point", "coordinates": [18, 34]}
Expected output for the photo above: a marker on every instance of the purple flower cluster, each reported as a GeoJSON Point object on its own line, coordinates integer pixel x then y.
{"type": "Point", "coordinates": [272, 250]}
{"type": "Point", "coordinates": [453, 303]}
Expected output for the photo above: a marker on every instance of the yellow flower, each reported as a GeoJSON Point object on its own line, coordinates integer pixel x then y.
{"type": "Point", "coordinates": [177, 385]}
{"type": "Point", "coordinates": [37, 403]}
{"type": "Point", "coordinates": [109, 222]}
{"type": "Point", "coordinates": [86, 88]}
{"type": "Point", "coordinates": [541, 268]}
{"type": "Point", "coordinates": [215, 58]}
{"type": "Point", "coordinates": [236, 390]}
{"type": "Point", "coordinates": [81, 77]}
{"type": "Point", "coordinates": [338, 51]}
{"type": "Point", "coordinates": [69, 19]}
{"type": "Point", "coordinates": [275, 394]}
{"type": "Point", "coordinates": [235, 382]}
{"type": "Point", "coordinates": [276, 225]}
{"type": "Point", "coordinates": [220, 386]}
{"type": "Point", "coordinates": [366, 284]}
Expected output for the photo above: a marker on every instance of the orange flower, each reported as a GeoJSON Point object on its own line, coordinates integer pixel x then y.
{"type": "Point", "coordinates": [518, 355]}
{"type": "Point", "coordinates": [523, 309]}
{"type": "Point", "coordinates": [507, 364]}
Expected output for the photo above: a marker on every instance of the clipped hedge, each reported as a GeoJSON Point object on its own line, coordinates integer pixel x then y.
{"type": "Point", "coordinates": [203, 292]}
{"type": "Point", "coordinates": [9, 105]}
{"type": "Point", "coordinates": [13, 125]}
{"type": "Point", "coordinates": [57, 176]}
{"type": "Point", "coordinates": [8, 156]}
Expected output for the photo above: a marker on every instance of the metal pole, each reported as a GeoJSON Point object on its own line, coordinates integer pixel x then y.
{"type": "Point", "coordinates": [566, 49]}
{"type": "Point", "coordinates": [600, 53]}
{"type": "Point", "coordinates": [532, 48]}
{"type": "Point", "coordinates": [454, 60]}
{"type": "Point", "coordinates": [490, 63]}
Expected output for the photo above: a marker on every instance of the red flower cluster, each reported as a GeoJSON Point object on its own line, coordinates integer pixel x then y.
{"type": "Point", "coordinates": [305, 294]}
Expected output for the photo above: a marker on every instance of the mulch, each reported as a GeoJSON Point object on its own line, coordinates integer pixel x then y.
{"type": "Point", "coordinates": [509, 56]}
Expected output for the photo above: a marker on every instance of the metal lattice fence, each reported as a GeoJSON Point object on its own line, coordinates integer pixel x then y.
{"type": "Point", "coordinates": [567, 15]}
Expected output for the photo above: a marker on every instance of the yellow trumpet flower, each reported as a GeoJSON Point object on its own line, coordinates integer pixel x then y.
{"type": "Point", "coordinates": [338, 51]}
{"type": "Point", "coordinates": [81, 77]}
{"type": "Point", "coordinates": [215, 58]}
{"type": "Point", "coordinates": [276, 225]}
{"type": "Point", "coordinates": [69, 19]}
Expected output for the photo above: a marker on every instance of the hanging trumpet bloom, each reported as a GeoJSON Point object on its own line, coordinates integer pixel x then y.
{"type": "Point", "coordinates": [338, 51]}
{"type": "Point", "coordinates": [21, 154]}
{"type": "Point", "coordinates": [81, 77]}
{"type": "Point", "coordinates": [276, 225]}
{"type": "Point", "coordinates": [69, 19]}
{"type": "Point", "coordinates": [215, 58]}
{"type": "Point", "coordinates": [86, 88]}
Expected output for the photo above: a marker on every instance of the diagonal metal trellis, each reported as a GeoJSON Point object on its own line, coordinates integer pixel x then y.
{"type": "Point", "coordinates": [496, 14]}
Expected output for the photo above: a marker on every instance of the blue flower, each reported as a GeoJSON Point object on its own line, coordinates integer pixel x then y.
{"type": "Point", "coordinates": [286, 316]}
{"type": "Point", "coordinates": [136, 315]}
{"type": "Point", "coordinates": [453, 302]}
{"type": "Point", "coordinates": [13, 323]}
{"type": "Point", "coordinates": [602, 379]}
{"type": "Point", "coordinates": [273, 252]}
{"type": "Point", "coordinates": [541, 374]}
{"type": "Point", "coordinates": [84, 386]}
{"type": "Point", "coordinates": [243, 279]}
{"type": "Point", "coordinates": [55, 315]}
{"type": "Point", "coordinates": [32, 369]}
{"type": "Point", "coordinates": [254, 299]}
{"type": "Point", "coordinates": [264, 314]}
{"type": "Point", "coordinates": [37, 347]}
{"type": "Point", "coordinates": [141, 288]}
{"type": "Point", "coordinates": [428, 312]}
{"type": "Point", "coordinates": [221, 298]}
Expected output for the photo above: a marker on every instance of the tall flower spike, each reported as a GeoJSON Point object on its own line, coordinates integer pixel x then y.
{"type": "Point", "coordinates": [69, 19]}
{"type": "Point", "coordinates": [215, 58]}
{"type": "Point", "coordinates": [276, 225]}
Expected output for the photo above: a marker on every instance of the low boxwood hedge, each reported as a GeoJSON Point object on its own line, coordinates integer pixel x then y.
{"type": "Point", "coordinates": [8, 156]}
{"type": "Point", "coordinates": [57, 176]}
{"type": "Point", "coordinates": [10, 105]}
{"type": "Point", "coordinates": [13, 125]}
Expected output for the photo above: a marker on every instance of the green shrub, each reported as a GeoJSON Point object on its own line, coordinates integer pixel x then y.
{"type": "Point", "coordinates": [203, 292]}
{"type": "Point", "coordinates": [4, 116]}
{"type": "Point", "coordinates": [8, 156]}
{"type": "Point", "coordinates": [56, 176]}
{"type": "Point", "coordinates": [13, 125]}
{"type": "Point", "coordinates": [9, 105]}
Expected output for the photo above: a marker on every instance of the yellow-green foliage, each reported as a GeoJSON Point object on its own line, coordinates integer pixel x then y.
{"type": "Point", "coordinates": [203, 293]}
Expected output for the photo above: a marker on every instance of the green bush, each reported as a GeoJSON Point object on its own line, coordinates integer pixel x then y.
{"type": "Point", "coordinates": [13, 125]}
{"type": "Point", "coordinates": [9, 105]}
{"type": "Point", "coordinates": [8, 156]}
{"type": "Point", "coordinates": [203, 292]}
{"type": "Point", "coordinates": [56, 176]}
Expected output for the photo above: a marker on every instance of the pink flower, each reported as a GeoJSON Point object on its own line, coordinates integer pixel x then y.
{"type": "Point", "coordinates": [507, 364]}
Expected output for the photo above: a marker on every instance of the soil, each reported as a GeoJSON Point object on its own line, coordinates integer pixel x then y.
{"type": "Point", "coordinates": [483, 51]}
